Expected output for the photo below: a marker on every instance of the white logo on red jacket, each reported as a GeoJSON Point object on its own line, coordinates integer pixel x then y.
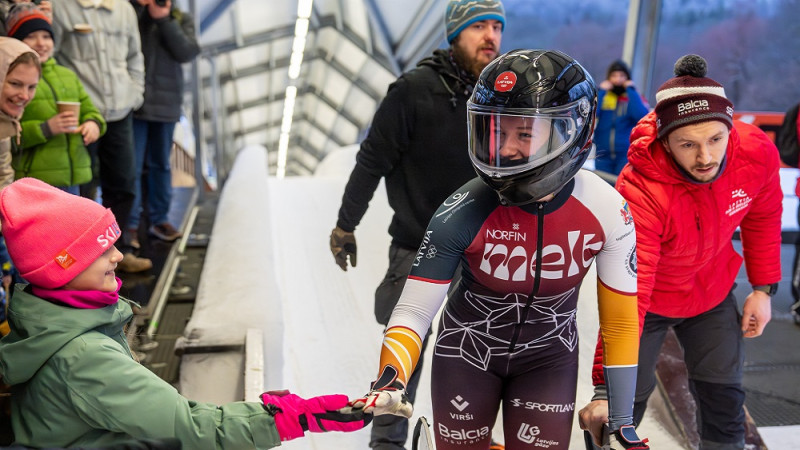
{"type": "Point", "coordinates": [738, 193]}
{"type": "Point", "coordinates": [739, 201]}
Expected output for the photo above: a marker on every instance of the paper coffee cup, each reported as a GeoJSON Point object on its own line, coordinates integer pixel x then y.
{"type": "Point", "coordinates": [70, 106]}
{"type": "Point", "coordinates": [82, 28]}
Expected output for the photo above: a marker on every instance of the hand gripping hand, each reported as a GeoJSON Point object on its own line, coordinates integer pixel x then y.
{"type": "Point", "coordinates": [343, 244]}
{"type": "Point", "coordinates": [390, 399]}
{"type": "Point", "coordinates": [627, 439]}
{"type": "Point", "coordinates": [295, 415]}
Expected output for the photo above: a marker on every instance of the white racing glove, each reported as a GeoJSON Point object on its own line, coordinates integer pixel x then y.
{"type": "Point", "coordinates": [391, 399]}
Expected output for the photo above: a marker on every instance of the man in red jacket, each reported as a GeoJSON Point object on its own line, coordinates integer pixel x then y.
{"type": "Point", "coordinates": [694, 176]}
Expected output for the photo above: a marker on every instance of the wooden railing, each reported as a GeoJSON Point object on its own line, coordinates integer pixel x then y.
{"type": "Point", "coordinates": [182, 164]}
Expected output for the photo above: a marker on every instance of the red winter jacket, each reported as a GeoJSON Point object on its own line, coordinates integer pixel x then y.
{"type": "Point", "coordinates": [686, 261]}
{"type": "Point", "coordinates": [797, 186]}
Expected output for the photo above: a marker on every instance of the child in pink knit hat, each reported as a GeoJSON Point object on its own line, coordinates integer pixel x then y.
{"type": "Point", "coordinates": [74, 379]}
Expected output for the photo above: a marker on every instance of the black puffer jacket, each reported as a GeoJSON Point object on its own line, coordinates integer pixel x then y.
{"type": "Point", "coordinates": [166, 44]}
{"type": "Point", "coordinates": [418, 141]}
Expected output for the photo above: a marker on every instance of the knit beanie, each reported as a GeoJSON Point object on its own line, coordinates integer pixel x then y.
{"type": "Point", "coordinates": [25, 18]}
{"type": "Point", "coordinates": [618, 66]}
{"type": "Point", "coordinates": [462, 13]}
{"type": "Point", "coordinates": [691, 98]}
{"type": "Point", "coordinates": [51, 235]}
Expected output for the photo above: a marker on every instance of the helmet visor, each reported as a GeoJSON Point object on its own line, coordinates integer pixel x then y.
{"type": "Point", "coordinates": [512, 142]}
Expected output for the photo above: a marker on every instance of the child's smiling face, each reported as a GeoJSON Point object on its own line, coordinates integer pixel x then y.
{"type": "Point", "coordinates": [99, 276]}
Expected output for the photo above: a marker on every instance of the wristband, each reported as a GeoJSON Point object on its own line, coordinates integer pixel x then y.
{"type": "Point", "coordinates": [769, 289]}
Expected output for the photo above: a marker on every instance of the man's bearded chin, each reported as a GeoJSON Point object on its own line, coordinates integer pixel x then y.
{"type": "Point", "coordinates": [473, 65]}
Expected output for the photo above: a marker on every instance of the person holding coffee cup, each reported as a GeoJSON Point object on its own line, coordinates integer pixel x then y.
{"type": "Point", "coordinates": [61, 120]}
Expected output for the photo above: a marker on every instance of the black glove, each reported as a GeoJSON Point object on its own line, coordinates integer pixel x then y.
{"type": "Point", "coordinates": [343, 244]}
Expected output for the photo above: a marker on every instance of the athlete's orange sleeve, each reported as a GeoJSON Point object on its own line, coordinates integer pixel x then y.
{"type": "Point", "coordinates": [619, 326]}
{"type": "Point", "coordinates": [401, 349]}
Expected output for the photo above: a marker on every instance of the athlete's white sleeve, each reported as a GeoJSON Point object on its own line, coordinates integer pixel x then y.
{"type": "Point", "coordinates": [418, 305]}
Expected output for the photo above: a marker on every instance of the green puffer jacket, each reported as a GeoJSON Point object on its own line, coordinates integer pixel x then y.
{"type": "Point", "coordinates": [62, 159]}
{"type": "Point", "coordinates": [75, 383]}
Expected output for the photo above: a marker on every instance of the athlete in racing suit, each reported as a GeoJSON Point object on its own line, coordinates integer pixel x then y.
{"type": "Point", "coordinates": [523, 236]}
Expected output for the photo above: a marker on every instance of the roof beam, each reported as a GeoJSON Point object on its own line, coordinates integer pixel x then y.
{"type": "Point", "coordinates": [355, 39]}
{"type": "Point", "coordinates": [356, 79]}
{"type": "Point", "coordinates": [324, 130]}
{"type": "Point", "coordinates": [261, 101]}
{"type": "Point", "coordinates": [382, 34]}
{"type": "Point", "coordinates": [342, 113]}
{"type": "Point", "coordinates": [305, 145]}
{"type": "Point", "coordinates": [287, 31]}
{"type": "Point", "coordinates": [282, 63]}
{"type": "Point", "coordinates": [277, 123]}
{"type": "Point", "coordinates": [216, 12]}
{"type": "Point", "coordinates": [414, 29]}
{"type": "Point", "coordinates": [264, 37]}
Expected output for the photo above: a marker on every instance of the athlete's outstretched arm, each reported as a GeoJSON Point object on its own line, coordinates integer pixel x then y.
{"type": "Point", "coordinates": [402, 346]}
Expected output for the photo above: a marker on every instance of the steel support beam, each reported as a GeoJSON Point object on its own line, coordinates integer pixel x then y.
{"type": "Point", "coordinates": [641, 40]}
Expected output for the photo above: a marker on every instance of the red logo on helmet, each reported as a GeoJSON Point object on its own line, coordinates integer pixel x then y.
{"type": "Point", "coordinates": [505, 82]}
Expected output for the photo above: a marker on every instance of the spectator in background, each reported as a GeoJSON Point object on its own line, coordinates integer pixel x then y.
{"type": "Point", "coordinates": [20, 71]}
{"type": "Point", "coordinates": [168, 40]}
{"type": "Point", "coordinates": [5, 7]}
{"type": "Point", "coordinates": [99, 40]}
{"type": "Point", "coordinates": [788, 143]}
{"type": "Point", "coordinates": [6, 268]}
{"type": "Point", "coordinates": [19, 75]}
{"type": "Point", "coordinates": [620, 108]}
{"type": "Point", "coordinates": [53, 146]}
{"type": "Point", "coordinates": [418, 142]}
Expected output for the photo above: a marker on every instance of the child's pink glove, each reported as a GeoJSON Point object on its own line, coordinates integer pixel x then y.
{"type": "Point", "coordinates": [295, 415]}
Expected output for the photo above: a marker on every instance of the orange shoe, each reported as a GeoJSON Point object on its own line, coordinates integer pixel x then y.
{"type": "Point", "coordinates": [495, 446]}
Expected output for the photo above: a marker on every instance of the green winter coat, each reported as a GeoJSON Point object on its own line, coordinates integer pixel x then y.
{"type": "Point", "coordinates": [75, 383]}
{"type": "Point", "coordinates": [62, 159]}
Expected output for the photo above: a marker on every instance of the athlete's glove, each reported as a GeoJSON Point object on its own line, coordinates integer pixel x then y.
{"type": "Point", "coordinates": [343, 244]}
{"type": "Point", "coordinates": [390, 399]}
{"type": "Point", "coordinates": [295, 415]}
{"type": "Point", "coordinates": [625, 438]}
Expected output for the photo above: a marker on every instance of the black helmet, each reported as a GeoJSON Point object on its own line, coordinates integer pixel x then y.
{"type": "Point", "coordinates": [530, 121]}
